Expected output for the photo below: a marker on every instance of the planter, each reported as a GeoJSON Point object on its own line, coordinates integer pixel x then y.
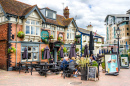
{"type": "Point", "coordinates": [21, 34]}
{"type": "Point", "coordinates": [84, 73]}
{"type": "Point", "coordinates": [11, 51]}
{"type": "Point", "coordinates": [103, 70]}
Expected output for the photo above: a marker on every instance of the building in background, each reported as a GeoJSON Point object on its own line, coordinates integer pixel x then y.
{"type": "Point", "coordinates": [113, 21]}
{"type": "Point", "coordinates": [82, 36]}
{"type": "Point", "coordinates": [38, 25]}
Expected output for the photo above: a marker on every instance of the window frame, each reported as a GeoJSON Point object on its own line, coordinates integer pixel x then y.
{"type": "Point", "coordinates": [70, 34]}
{"type": "Point", "coordinates": [32, 25]}
{"type": "Point", "coordinates": [32, 52]}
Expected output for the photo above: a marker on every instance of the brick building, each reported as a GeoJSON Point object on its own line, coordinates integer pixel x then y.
{"type": "Point", "coordinates": [37, 25]}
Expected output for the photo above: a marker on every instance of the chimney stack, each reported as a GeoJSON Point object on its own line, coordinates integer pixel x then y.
{"type": "Point", "coordinates": [66, 12]}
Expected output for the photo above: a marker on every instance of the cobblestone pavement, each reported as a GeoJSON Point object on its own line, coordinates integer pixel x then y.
{"type": "Point", "coordinates": [13, 78]}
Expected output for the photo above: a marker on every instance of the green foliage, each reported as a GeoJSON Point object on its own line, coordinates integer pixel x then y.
{"type": "Point", "coordinates": [11, 50]}
{"type": "Point", "coordinates": [59, 38]}
{"type": "Point", "coordinates": [64, 50]}
{"type": "Point", "coordinates": [84, 41]}
{"type": "Point", "coordinates": [51, 37]}
{"type": "Point", "coordinates": [103, 65]}
{"type": "Point", "coordinates": [83, 50]}
{"type": "Point", "coordinates": [94, 63]}
{"type": "Point", "coordinates": [76, 49]}
{"type": "Point", "coordinates": [21, 34]}
{"type": "Point", "coordinates": [82, 62]}
{"type": "Point", "coordinates": [128, 50]}
{"type": "Point", "coordinates": [42, 49]}
{"type": "Point", "coordinates": [75, 40]}
{"type": "Point", "coordinates": [45, 41]}
{"type": "Point", "coordinates": [99, 42]}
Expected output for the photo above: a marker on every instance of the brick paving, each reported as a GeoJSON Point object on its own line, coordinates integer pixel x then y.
{"type": "Point", "coordinates": [13, 78]}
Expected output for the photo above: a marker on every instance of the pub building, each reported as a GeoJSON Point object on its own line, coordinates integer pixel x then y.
{"type": "Point", "coordinates": [26, 26]}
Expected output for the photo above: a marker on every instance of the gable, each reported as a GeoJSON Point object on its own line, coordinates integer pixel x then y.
{"type": "Point", "coordinates": [34, 14]}
{"type": "Point", "coordinates": [38, 12]}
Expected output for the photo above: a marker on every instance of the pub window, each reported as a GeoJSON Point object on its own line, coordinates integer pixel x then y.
{"type": "Point", "coordinates": [127, 34]}
{"type": "Point", "coordinates": [32, 53]}
{"type": "Point", "coordinates": [32, 27]}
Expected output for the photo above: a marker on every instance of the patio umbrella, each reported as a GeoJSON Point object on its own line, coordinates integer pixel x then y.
{"type": "Point", "coordinates": [86, 51]}
{"type": "Point", "coordinates": [25, 54]}
{"type": "Point", "coordinates": [91, 43]}
{"type": "Point", "coordinates": [72, 51]}
{"type": "Point", "coordinates": [47, 54]}
{"type": "Point", "coordinates": [99, 52]}
{"type": "Point", "coordinates": [107, 50]}
{"type": "Point", "coordinates": [102, 51]}
{"type": "Point", "coordinates": [61, 53]}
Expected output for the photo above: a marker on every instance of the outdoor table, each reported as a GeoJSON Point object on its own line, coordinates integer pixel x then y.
{"type": "Point", "coordinates": [27, 65]}
{"type": "Point", "coordinates": [44, 68]}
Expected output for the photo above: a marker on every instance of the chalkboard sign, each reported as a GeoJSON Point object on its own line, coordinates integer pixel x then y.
{"type": "Point", "coordinates": [92, 72]}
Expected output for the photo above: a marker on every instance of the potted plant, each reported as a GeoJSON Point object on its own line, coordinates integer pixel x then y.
{"type": "Point", "coordinates": [75, 40]}
{"type": "Point", "coordinates": [103, 66]}
{"type": "Point", "coordinates": [83, 67]}
{"type": "Point", "coordinates": [11, 50]}
{"type": "Point", "coordinates": [21, 34]}
{"type": "Point", "coordinates": [42, 49]}
{"type": "Point", "coordinates": [77, 49]}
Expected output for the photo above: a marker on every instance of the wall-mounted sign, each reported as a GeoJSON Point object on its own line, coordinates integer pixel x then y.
{"type": "Point", "coordinates": [124, 60]}
{"type": "Point", "coordinates": [44, 35]}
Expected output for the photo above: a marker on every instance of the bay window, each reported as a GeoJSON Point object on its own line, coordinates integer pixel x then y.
{"type": "Point", "coordinates": [32, 27]}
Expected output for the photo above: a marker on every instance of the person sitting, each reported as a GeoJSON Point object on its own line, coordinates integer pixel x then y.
{"type": "Point", "coordinates": [72, 66]}
{"type": "Point", "coordinates": [65, 62]}
{"type": "Point", "coordinates": [91, 58]}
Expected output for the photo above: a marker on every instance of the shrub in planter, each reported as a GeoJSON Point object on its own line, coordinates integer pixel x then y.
{"type": "Point", "coordinates": [94, 63]}
{"type": "Point", "coordinates": [21, 34]}
{"type": "Point", "coordinates": [11, 50]}
{"type": "Point", "coordinates": [59, 38]}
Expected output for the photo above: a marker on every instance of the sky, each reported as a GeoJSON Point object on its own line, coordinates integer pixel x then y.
{"type": "Point", "coordinates": [87, 11]}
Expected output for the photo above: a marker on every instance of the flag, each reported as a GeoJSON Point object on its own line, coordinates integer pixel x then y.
{"type": "Point", "coordinates": [95, 33]}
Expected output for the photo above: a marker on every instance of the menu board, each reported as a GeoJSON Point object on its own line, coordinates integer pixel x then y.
{"type": "Point", "coordinates": [124, 61]}
{"type": "Point", "coordinates": [92, 72]}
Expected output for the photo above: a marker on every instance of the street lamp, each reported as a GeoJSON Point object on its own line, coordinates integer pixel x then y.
{"type": "Point", "coordinates": [118, 37]}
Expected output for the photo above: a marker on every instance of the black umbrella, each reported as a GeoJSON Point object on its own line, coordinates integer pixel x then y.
{"type": "Point", "coordinates": [72, 51]}
{"type": "Point", "coordinates": [86, 51]}
{"type": "Point", "coordinates": [91, 43]}
{"type": "Point", "coordinates": [25, 54]}
{"type": "Point", "coordinates": [61, 53]}
{"type": "Point", "coordinates": [47, 54]}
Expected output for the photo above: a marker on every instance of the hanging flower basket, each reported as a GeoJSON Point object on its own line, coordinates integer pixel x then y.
{"type": "Point", "coordinates": [42, 49]}
{"type": "Point", "coordinates": [59, 38]}
{"type": "Point", "coordinates": [45, 41]}
{"type": "Point", "coordinates": [11, 50]}
{"type": "Point", "coordinates": [51, 37]}
{"type": "Point", "coordinates": [21, 34]}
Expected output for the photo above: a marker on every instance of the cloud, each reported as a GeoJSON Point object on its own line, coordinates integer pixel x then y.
{"type": "Point", "coordinates": [87, 11]}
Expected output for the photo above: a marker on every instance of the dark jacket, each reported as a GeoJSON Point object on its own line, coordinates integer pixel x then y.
{"type": "Point", "coordinates": [66, 64]}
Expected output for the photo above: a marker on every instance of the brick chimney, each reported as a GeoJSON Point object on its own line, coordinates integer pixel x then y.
{"type": "Point", "coordinates": [66, 12]}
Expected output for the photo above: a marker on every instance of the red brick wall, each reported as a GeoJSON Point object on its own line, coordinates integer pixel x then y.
{"type": "Point", "coordinates": [3, 46]}
{"type": "Point", "coordinates": [13, 31]}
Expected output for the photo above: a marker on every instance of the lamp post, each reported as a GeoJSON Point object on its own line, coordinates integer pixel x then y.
{"type": "Point", "coordinates": [118, 37]}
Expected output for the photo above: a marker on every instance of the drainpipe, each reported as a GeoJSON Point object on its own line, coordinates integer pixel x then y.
{"type": "Point", "coordinates": [17, 21]}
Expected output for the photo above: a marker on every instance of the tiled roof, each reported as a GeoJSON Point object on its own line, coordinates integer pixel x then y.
{"type": "Point", "coordinates": [15, 7]}
{"type": "Point", "coordinates": [60, 20]}
{"type": "Point", "coordinates": [21, 9]}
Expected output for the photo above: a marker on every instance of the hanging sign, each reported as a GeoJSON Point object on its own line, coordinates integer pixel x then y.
{"type": "Point", "coordinates": [44, 35]}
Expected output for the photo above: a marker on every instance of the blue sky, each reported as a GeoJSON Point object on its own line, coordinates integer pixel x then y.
{"type": "Point", "coordinates": [87, 11]}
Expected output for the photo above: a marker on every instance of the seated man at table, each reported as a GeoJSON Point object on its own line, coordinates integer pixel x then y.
{"type": "Point", "coordinates": [72, 66]}
{"type": "Point", "coordinates": [65, 62]}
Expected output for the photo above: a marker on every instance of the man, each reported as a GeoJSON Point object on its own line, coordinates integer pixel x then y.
{"type": "Point", "coordinates": [65, 62]}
